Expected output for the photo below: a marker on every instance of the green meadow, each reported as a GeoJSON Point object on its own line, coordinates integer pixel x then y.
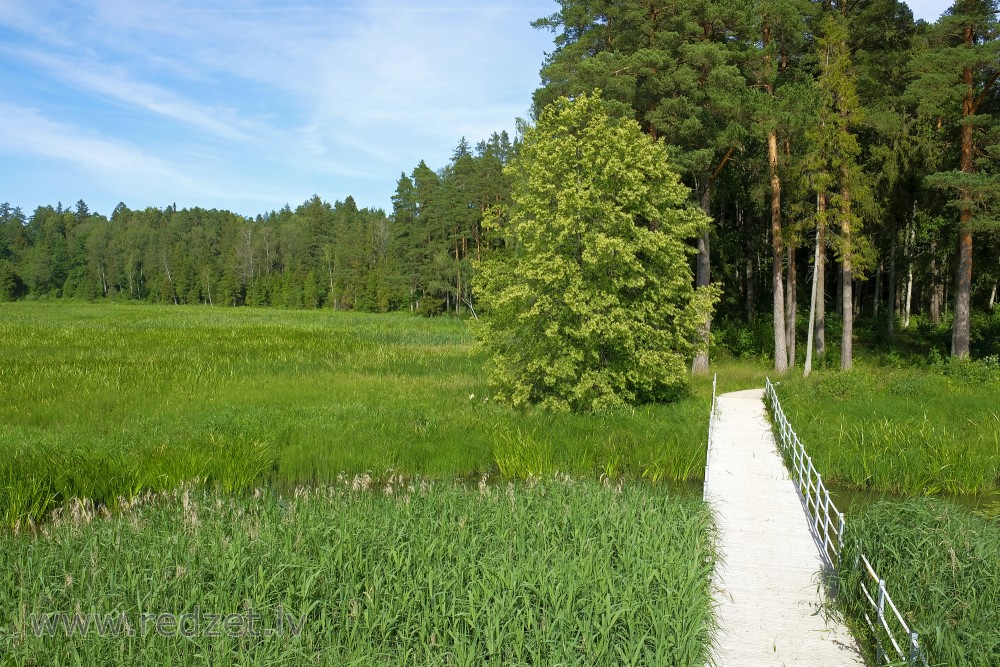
{"type": "Point", "coordinates": [106, 402]}
{"type": "Point", "coordinates": [939, 561]}
{"type": "Point", "coordinates": [352, 470]}
{"type": "Point", "coordinates": [346, 469]}
{"type": "Point", "coordinates": [917, 430]}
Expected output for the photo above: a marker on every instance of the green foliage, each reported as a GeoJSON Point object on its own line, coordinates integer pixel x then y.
{"type": "Point", "coordinates": [438, 230]}
{"type": "Point", "coordinates": [10, 282]}
{"type": "Point", "coordinates": [590, 304]}
{"type": "Point", "coordinates": [752, 340]}
{"type": "Point", "coordinates": [673, 68]}
{"type": "Point", "coordinates": [109, 401]}
{"type": "Point", "coordinates": [317, 255]}
{"type": "Point", "coordinates": [555, 572]}
{"type": "Point", "coordinates": [940, 565]}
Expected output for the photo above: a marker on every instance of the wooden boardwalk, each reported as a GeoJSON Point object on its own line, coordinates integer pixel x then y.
{"type": "Point", "coordinates": [767, 588]}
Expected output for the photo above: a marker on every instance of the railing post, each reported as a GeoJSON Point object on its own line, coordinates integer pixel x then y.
{"type": "Point", "coordinates": [914, 649]}
{"type": "Point", "coordinates": [819, 497]}
{"type": "Point", "coordinates": [840, 536]}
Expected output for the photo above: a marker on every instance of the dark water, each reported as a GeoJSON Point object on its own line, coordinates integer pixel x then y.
{"type": "Point", "coordinates": [850, 501]}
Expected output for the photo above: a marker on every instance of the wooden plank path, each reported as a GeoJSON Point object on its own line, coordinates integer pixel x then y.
{"type": "Point", "coordinates": [767, 588]}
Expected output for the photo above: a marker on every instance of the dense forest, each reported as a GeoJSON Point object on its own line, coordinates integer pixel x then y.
{"type": "Point", "coordinates": [317, 255]}
{"type": "Point", "coordinates": [848, 156]}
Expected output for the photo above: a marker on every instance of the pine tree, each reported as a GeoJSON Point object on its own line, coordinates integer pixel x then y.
{"type": "Point", "coordinates": [838, 163]}
{"type": "Point", "coordinates": [671, 67]}
{"type": "Point", "coordinates": [955, 90]}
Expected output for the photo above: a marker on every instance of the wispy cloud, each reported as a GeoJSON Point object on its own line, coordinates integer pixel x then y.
{"type": "Point", "coordinates": [115, 163]}
{"type": "Point", "coordinates": [26, 131]}
{"type": "Point", "coordinates": [308, 97]}
{"type": "Point", "coordinates": [114, 83]}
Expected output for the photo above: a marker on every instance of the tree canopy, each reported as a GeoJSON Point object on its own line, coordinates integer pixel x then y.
{"type": "Point", "coordinates": [590, 304]}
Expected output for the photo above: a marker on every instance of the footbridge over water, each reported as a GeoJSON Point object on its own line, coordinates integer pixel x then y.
{"type": "Point", "coordinates": [774, 543]}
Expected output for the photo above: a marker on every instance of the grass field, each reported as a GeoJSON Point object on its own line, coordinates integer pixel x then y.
{"type": "Point", "coordinates": [105, 402]}
{"type": "Point", "coordinates": [351, 470]}
{"type": "Point", "coordinates": [940, 564]}
{"type": "Point", "coordinates": [348, 472]}
{"type": "Point", "coordinates": [933, 429]}
{"type": "Point", "coordinates": [413, 572]}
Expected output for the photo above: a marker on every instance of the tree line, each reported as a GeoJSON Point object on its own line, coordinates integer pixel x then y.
{"type": "Point", "coordinates": [315, 256]}
{"type": "Point", "coordinates": [846, 154]}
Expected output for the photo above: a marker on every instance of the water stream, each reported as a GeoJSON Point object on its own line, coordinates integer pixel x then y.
{"type": "Point", "coordinates": [850, 501]}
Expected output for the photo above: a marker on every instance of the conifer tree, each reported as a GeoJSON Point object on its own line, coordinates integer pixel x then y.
{"type": "Point", "coordinates": [956, 80]}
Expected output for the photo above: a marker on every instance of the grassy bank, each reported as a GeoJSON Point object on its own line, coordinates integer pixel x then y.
{"type": "Point", "coordinates": [940, 564]}
{"type": "Point", "coordinates": [108, 401]}
{"type": "Point", "coordinates": [429, 573]}
{"type": "Point", "coordinates": [918, 430]}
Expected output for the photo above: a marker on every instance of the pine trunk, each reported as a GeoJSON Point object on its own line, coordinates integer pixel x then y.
{"type": "Point", "coordinates": [780, 344]}
{"type": "Point", "coordinates": [751, 274]}
{"type": "Point", "coordinates": [910, 240]}
{"type": "Point", "coordinates": [846, 277]}
{"type": "Point", "coordinates": [878, 288]}
{"type": "Point", "coordinates": [812, 308]}
{"type": "Point", "coordinates": [791, 305]}
{"type": "Point", "coordinates": [820, 323]}
{"type": "Point", "coordinates": [703, 277]}
{"type": "Point", "coordinates": [936, 288]}
{"type": "Point", "coordinates": [963, 281]}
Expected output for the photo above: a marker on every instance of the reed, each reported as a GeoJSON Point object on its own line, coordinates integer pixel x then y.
{"type": "Point", "coordinates": [106, 402]}
{"type": "Point", "coordinates": [940, 565]}
{"type": "Point", "coordinates": [911, 431]}
{"type": "Point", "coordinates": [397, 572]}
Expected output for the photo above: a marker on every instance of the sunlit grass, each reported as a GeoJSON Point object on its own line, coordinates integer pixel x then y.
{"type": "Point", "coordinates": [398, 573]}
{"type": "Point", "coordinates": [917, 430]}
{"type": "Point", "coordinates": [939, 562]}
{"type": "Point", "coordinates": [105, 402]}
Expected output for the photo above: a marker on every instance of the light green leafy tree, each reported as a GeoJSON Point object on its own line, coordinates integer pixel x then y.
{"type": "Point", "coordinates": [590, 303]}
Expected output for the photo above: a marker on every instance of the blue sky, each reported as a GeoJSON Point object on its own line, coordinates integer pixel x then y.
{"type": "Point", "coordinates": [252, 104]}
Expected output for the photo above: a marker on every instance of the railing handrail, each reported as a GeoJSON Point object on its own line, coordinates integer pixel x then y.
{"type": "Point", "coordinates": [711, 430]}
{"type": "Point", "coordinates": [821, 508]}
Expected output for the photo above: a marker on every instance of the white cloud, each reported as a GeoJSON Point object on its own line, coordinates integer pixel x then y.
{"type": "Point", "coordinates": [114, 163]}
{"type": "Point", "coordinates": [27, 131]}
{"type": "Point", "coordinates": [114, 83]}
{"type": "Point", "coordinates": [286, 95]}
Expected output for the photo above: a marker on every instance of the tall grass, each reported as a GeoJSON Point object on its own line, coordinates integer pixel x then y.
{"type": "Point", "coordinates": [941, 565]}
{"type": "Point", "coordinates": [108, 401]}
{"type": "Point", "coordinates": [400, 572]}
{"type": "Point", "coordinates": [925, 430]}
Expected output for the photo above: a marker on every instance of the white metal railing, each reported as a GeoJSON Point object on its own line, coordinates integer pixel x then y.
{"type": "Point", "coordinates": [827, 524]}
{"type": "Point", "coordinates": [826, 521]}
{"type": "Point", "coordinates": [711, 430]}
{"type": "Point", "coordinates": [911, 654]}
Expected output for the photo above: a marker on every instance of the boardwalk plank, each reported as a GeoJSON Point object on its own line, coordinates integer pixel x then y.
{"type": "Point", "coordinates": [767, 587]}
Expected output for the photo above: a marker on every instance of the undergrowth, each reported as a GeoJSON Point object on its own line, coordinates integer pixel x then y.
{"type": "Point", "coordinates": [908, 430]}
